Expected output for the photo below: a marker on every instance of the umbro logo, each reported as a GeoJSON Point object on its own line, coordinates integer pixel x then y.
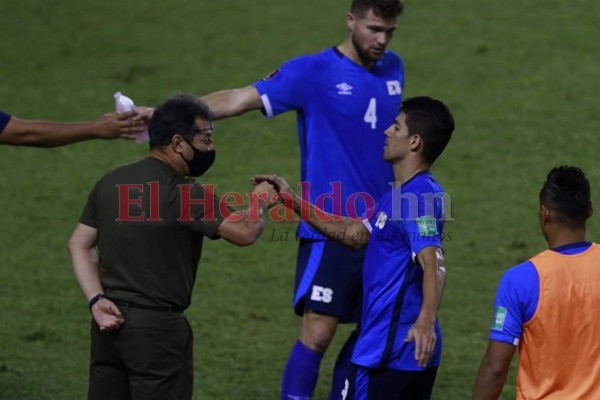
{"type": "Point", "coordinates": [344, 89]}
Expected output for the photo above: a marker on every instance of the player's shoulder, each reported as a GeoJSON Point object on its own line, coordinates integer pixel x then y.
{"type": "Point", "coordinates": [423, 182]}
{"type": "Point", "coordinates": [315, 61]}
{"type": "Point", "coordinates": [391, 59]}
{"type": "Point", "coordinates": [520, 274]}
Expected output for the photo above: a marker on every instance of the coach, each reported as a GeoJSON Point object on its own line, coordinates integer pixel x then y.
{"type": "Point", "coordinates": [149, 246]}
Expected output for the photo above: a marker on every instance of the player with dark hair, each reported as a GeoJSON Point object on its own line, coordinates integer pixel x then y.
{"type": "Point", "coordinates": [345, 97]}
{"type": "Point", "coordinates": [431, 120]}
{"type": "Point", "coordinates": [548, 306]}
{"type": "Point", "coordinates": [148, 220]}
{"type": "Point", "coordinates": [381, 8]}
{"type": "Point", "coordinates": [21, 132]}
{"type": "Point", "coordinates": [399, 348]}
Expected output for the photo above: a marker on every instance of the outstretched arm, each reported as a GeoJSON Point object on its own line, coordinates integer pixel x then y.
{"type": "Point", "coordinates": [20, 132]}
{"type": "Point", "coordinates": [224, 103]}
{"type": "Point", "coordinates": [347, 231]}
{"type": "Point", "coordinates": [242, 228]}
{"type": "Point", "coordinates": [229, 103]}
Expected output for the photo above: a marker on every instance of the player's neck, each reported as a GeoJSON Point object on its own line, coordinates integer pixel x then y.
{"type": "Point", "coordinates": [405, 169]}
{"type": "Point", "coordinates": [348, 50]}
{"type": "Point", "coordinates": [564, 236]}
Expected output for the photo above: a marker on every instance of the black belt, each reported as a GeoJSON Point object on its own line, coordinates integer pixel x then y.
{"type": "Point", "coordinates": [145, 307]}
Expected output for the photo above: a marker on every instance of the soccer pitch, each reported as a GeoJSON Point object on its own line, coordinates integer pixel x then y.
{"type": "Point", "coordinates": [520, 78]}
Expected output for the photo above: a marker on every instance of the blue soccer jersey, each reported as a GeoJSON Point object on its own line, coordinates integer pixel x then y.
{"type": "Point", "coordinates": [518, 295]}
{"type": "Point", "coordinates": [406, 220]}
{"type": "Point", "coordinates": [343, 110]}
{"type": "Point", "coordinates": [4, 118]}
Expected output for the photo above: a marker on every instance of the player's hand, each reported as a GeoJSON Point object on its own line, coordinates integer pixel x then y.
{"type": "Point", "coordinates": [266, 195]}
{"type": "Point", "coordinates": [125, 125]}
{"type": "Point", "coordinates": [279, 183]}
{"type": "Point", "coordinates": [425, 338]}
{"type": "Point", "coordinates": [145, 113]}
{"type": "Point", "coordinates": [107, 315]}
{"type": "Point", "coordinates": [270, 196]}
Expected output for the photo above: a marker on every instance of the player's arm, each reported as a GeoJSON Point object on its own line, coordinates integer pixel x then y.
{"type": "Point", "coordinates": [229, 103]}
{"type": "Point", "coordinates": [243, 228]}
{"type": "Point", "coordinates": [20, 132]}
{"type": "Point", "coordinates": [431, 259]}
{"type": "Point", "coordinates": [516, 301]}
{"type": "Point", "coordinates": [493, 371]}
{"type": "Point", "coordinates": [347, 231]}
{"type": "Point", "coordinates": [83, 258]}
{"type": "Point", "coordinates": [224, 103]}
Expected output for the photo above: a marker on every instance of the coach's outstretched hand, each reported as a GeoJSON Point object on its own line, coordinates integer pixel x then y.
{"type": "Point", "coordinates": [265, 192]}
{"type": "Point", "coordinates": [278, 182]}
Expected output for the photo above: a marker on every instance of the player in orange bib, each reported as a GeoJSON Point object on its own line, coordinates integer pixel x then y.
{"type": "Point", "coordinates": [549, 306]}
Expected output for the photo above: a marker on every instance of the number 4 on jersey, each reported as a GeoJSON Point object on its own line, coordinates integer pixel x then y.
{"type": "Point", "coordinates": [371, 114]}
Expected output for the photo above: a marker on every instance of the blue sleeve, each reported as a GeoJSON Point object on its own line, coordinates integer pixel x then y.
{"type": "Point", "coordinates": [516, 301]}
{"type": "Point", "coordinates": [289, 87]}
{"type": "Point", "coordinates": [423, 221]}
{"type": "Point", "coordinates": [4, 119]}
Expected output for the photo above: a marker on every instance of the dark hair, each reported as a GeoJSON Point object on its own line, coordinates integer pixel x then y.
{"type": "Point", "coordinates": [567, 193]}
{"type": "Point", "coordinates": [432, 120]}
{"type": "Point", "coordinates": [381, 8]}
{"type": "Point", "coordinates": [177, 115]}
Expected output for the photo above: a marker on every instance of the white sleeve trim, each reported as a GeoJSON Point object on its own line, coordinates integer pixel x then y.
{"type": "Point", "coordinates": [267, 105]}
{"type": "Point", "coordinates": [367, 225]}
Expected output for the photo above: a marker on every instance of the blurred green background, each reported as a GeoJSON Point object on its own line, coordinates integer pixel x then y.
{"type": "Point", "coordinates": [521, 77]}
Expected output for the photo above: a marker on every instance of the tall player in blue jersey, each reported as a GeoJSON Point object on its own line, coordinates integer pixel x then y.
{"type": "Point", "coordinates": [345, 96]}
{"type": "Point", "coordinates": [399, 347]}
{"type": "Point", "coordinates": [21, 132]}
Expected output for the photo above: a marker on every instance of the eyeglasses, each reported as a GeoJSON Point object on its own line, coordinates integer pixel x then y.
{"type": "Point", "coordinates": [210, 129]}
{"type": "Point", "coordinates": [207, 140]}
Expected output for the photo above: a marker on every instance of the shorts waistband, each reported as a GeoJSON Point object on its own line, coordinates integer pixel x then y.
{"type": "Point", "coordinates": [143, 306]}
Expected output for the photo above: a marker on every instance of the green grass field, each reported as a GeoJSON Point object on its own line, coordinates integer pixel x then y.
{"type": "Point", "coordinates": [520, 76]}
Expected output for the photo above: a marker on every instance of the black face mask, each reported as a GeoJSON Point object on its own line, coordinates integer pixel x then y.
{"type": "Point", "coordinates": [201, 162]}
